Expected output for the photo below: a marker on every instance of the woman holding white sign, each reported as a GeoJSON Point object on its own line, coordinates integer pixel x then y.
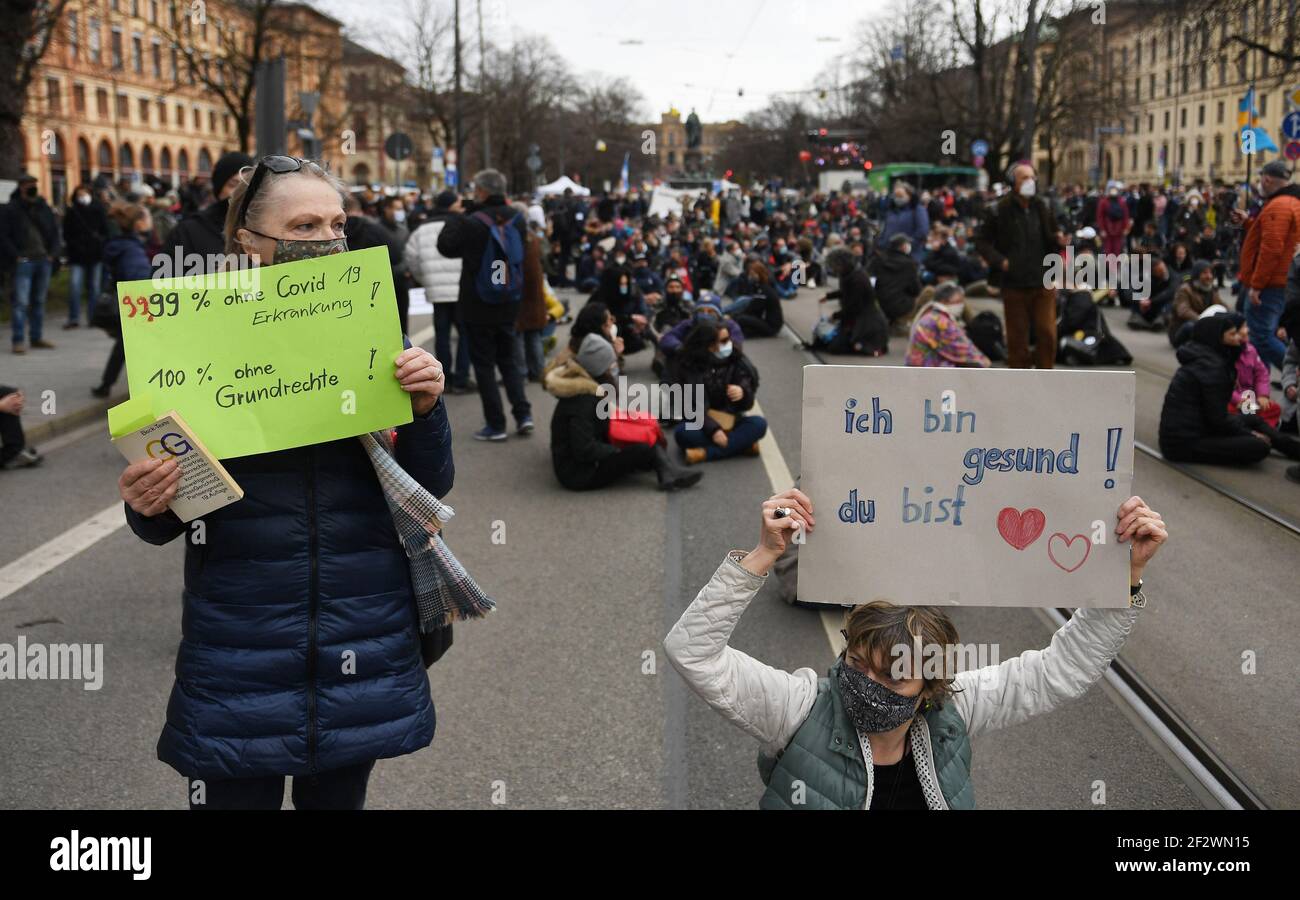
{"type": "Point", "coordinates": [300, 654]}
{"type": "Point", "coordinates": [874, 735]}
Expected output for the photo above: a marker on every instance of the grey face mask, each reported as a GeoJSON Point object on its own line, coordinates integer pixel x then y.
{"type": "Point", "coordinates": [871, 706]}
{"type": "Point", "coordinates": [293, 251]}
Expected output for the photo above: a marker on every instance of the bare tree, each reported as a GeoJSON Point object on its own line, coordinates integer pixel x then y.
{"type": "Point", "coordinates": [29, 27]}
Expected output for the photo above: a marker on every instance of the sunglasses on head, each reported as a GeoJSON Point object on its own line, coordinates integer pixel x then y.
{"type": "Point", "coordinates": [279, 165]}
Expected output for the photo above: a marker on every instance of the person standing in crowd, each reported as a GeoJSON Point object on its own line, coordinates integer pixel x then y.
{"type": "Point", "coordinates": [29, 244]}
{"type": "Point", "coordinates": [532, 308]}
{"type": "Point", "coordinates": [202, 232]}
{"type": "Point", "coordinates": [392, 219]}
{"type": "Point", "coordinates": [440, 277]}
{"type": "Point", "coordinates": [581, 452]}
{"type": "Point", "coordinates": [14, 451]}
{"type": "Point", "coordinates": [125, 259]}
{"type": "Point", "coordinates": [939, 336]}
{"type": "Point", "coordinates": [85, 230]}
{"type": "Point", "coordinates": [1266, 252]}
{"type": "Point", "coordinates": [1195, 422]}
{"type": "Point", "coordinates": [710, 363]}
{"type": "Point", "coordinates": [1113, 221]}
{"type": "Point", "coordinates": [907, 216]}
{"type": "Point", "coordinates": [1015, 238]}
{"type": "Point", "coordinates": [491, 321]}
{"type": "Point", "coordinates": [863, 737]}
{"type": "Point", "coordinates": [259, 695]}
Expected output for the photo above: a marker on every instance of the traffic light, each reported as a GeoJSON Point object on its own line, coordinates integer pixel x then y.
{"type": "Point", "coordinates": [867, 165]}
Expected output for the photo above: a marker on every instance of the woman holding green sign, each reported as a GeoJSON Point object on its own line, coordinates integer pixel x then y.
{"type": "Point", "coordinates": [300, 654]}
{"type": "Point", "coordinates": [876, 734]}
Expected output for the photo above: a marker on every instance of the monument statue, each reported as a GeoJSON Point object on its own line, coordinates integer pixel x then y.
{"type": "Point", "coordinates": [694, 131]}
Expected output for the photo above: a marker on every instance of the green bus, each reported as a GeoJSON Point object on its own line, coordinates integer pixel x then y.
{"type": "Point", "coordinates": [921, 175]}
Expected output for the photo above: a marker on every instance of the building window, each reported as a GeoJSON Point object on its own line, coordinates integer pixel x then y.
{"type": "Point", "coordinates": [1166, 120]}
{"type": "Point", "coordinates": [1200, 152]}
{"type": "Point", "coordinates": [142, 105]}
{"type": "Point", "coordinates": [53, 101]}
{"type": "Point", "coordinates": [1151, 121]}
{"type": "Point", "coordinates": [101, 103]}
{"type": "Point", "coordinates": [155, 54]}
{"type": "Point", "coordinates": [1218, 113]}
{"type": "Point", "coordinates": [1182, 153]}
{"type": "Point", "coordinates": [1241, 67]}
{"type": "Point", "coordinates": [1205, 75]}
{"type": "Point", "coordinates": [153, 10]}
{"type": "Point", "coordinates": [1151, 86]}
{"type": "Point", "coordinates": [74, 40]}
{"type": "Point", "coordinates": [1200, 114]}
{"type": "Point", "coordinates": [1182, 117]}
{"type": "Point", "coordinates": [96, 50]}
{"type": "Point", "coordinates": [1263, 105]}
{"type": "Point", "coordinates": [1169, 82]}
{"type": "Point", "coordinates": [1149, 155]}
{"type": "Point", "coordinates": [198, 122]}
{"type": "Point", "coordinates": [162, 112]}
{"type": "Point", "coordinates": [1185, 73]}
{"type": "Point", "coordinates": [1136, 121]}
{"type": "Point", "coordinates": [79, 98]}
{"type": "Point", "coordinates": [1137, 89]}
{"type": "Point", "coordinates": [137, 54]}
{"type": "Point", "coordinates": [115, 48]}
{"type": "Point", "coordinates": [1218, 149]}
{"type": "Point", "coordinates": [1223, 70]}
{"type": "Point", "coordinates": [180, 116]}
{"type": "Point", "coordinates": [212, 121]}
{"type": "Point", "coordinates": [176, 68]}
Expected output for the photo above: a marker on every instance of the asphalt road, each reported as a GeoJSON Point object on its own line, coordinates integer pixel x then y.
{"type": "Point", "coordinates": [563, 698]}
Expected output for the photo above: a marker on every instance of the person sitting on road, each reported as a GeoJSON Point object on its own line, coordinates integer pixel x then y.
{"type": "Point", "coordinates": [908, 738]}
{"type": "Point", "coordinates": [1251, 393]}
{"type": "Point", "coordinates": [14, 451]}
{"type": "Point", "coordinates": [861, 325]}
{"type": "Point", "coordinates": [757, 309]}
{"type": "Point", "coordinates": [711, 363]}
{"type": "Point", "coordinates": [581, 452]}
{"type": "Point", "coordinates": [707, 310]}
{"type": "Point", "coordinates": [619, 291]}
{"type": "Point", "coordinates": [1195, 424]}
{"type": "Point", "coordinates": [1193, 297]}
{"type": "Point", "coordinates": [1150, 311]}
{"type": "Point", "coordinates": [939, 334]}
{"type": "Point", "coordinates": [898, 282]}
{"type": "Point", "coordinates": [259, 694]}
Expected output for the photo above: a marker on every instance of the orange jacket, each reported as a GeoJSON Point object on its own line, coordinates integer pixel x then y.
{"type": "Point", "coordinates": [1271, 241]}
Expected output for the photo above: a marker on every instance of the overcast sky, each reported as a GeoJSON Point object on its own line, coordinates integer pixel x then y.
{"type": "Point", "coordinates": [693, 53]}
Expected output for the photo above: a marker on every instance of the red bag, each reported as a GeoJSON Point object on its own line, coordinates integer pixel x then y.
{"type": "Point", "coordinates": [626, 429]}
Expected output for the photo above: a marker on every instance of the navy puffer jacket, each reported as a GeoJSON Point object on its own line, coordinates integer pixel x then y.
{"type": "Point", "coordinates": [299, 648]}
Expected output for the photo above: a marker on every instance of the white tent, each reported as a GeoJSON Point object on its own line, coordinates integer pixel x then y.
{"type": "Point", "coordinates": [560, 184]}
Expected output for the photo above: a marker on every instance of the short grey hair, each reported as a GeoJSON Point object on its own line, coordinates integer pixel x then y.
{"type": "Point", "coordinates": [491, 181]}
{"type": "Point", "coordinates": [945, 292]}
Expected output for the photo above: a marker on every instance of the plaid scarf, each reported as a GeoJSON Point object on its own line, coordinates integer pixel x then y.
{"type": "Point", "coordinates": [444, 591]}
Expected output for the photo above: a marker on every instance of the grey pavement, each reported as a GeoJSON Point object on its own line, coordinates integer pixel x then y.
{"type": "Point", "coordinates": [562, 698]}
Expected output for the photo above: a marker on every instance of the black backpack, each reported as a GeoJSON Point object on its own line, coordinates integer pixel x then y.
{"type": "Point", "coordinates": [986, 332]}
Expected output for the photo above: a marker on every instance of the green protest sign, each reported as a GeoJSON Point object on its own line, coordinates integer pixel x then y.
{"type": "Point", "coordinates": [269, 358]}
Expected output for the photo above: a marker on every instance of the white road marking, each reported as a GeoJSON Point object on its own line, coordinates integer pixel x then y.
{"type": "Point", "coordinates": [58, 550]}
{"type": "Point", "coordinates": [778, 473]}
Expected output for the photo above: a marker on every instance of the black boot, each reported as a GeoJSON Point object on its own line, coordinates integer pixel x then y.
{"type": "Point", "coordinates": [1287, 446]}
{"type": "Point", "coordinates": [671, 475]}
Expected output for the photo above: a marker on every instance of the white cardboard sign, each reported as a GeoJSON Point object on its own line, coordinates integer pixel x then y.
{"type": "Point", "coordinates": [966, 487]}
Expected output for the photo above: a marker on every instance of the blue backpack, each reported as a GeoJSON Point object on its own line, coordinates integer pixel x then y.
{"type": "Point", "coordinates": [500, 278]}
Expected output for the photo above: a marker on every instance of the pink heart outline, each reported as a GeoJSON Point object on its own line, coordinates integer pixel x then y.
{"type": "Point", "coordinates": [1069, 542]}
{"type": "Point", "coordinates": [1020, 529]}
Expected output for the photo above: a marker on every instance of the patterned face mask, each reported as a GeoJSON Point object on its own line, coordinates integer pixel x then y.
{"type": "Point", "coordinates": [293, 251]}
{"type": "Point", "coordinates": [871, 706]}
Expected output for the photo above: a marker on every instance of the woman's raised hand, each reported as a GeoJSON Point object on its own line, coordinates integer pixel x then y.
{"type": "Point", "coordinates": [777, 530]}
{"type": "Point", "coordinates": [1145, 531]}
{"type": "Point", "coordinates": [420, 375]}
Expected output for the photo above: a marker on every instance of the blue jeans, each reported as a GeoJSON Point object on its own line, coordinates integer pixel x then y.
{"type": "Point", "coordinates": [444, 316]}
{"type": "Point", "coordinates": [739, 305]}
{"type": "Point", "coordinates": [81, 277]}
{"type": "Point", "coordinates": [31, 283]}
{"type": "Point", "coordinates": [529, 357]}
{"type": "Point", "coordinates": [1262, 320]}
{"type": "Point", "coordinates": [748, 431]}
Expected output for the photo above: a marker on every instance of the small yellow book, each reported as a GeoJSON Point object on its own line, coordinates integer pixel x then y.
{"type": "Point", "coordinates": [205, 484]}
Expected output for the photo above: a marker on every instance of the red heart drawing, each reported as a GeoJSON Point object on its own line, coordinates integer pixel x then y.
{"type": "Point", "coordinates": [1020, 529]}
{"type": "Point", "coordinates": [1068, 549]}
